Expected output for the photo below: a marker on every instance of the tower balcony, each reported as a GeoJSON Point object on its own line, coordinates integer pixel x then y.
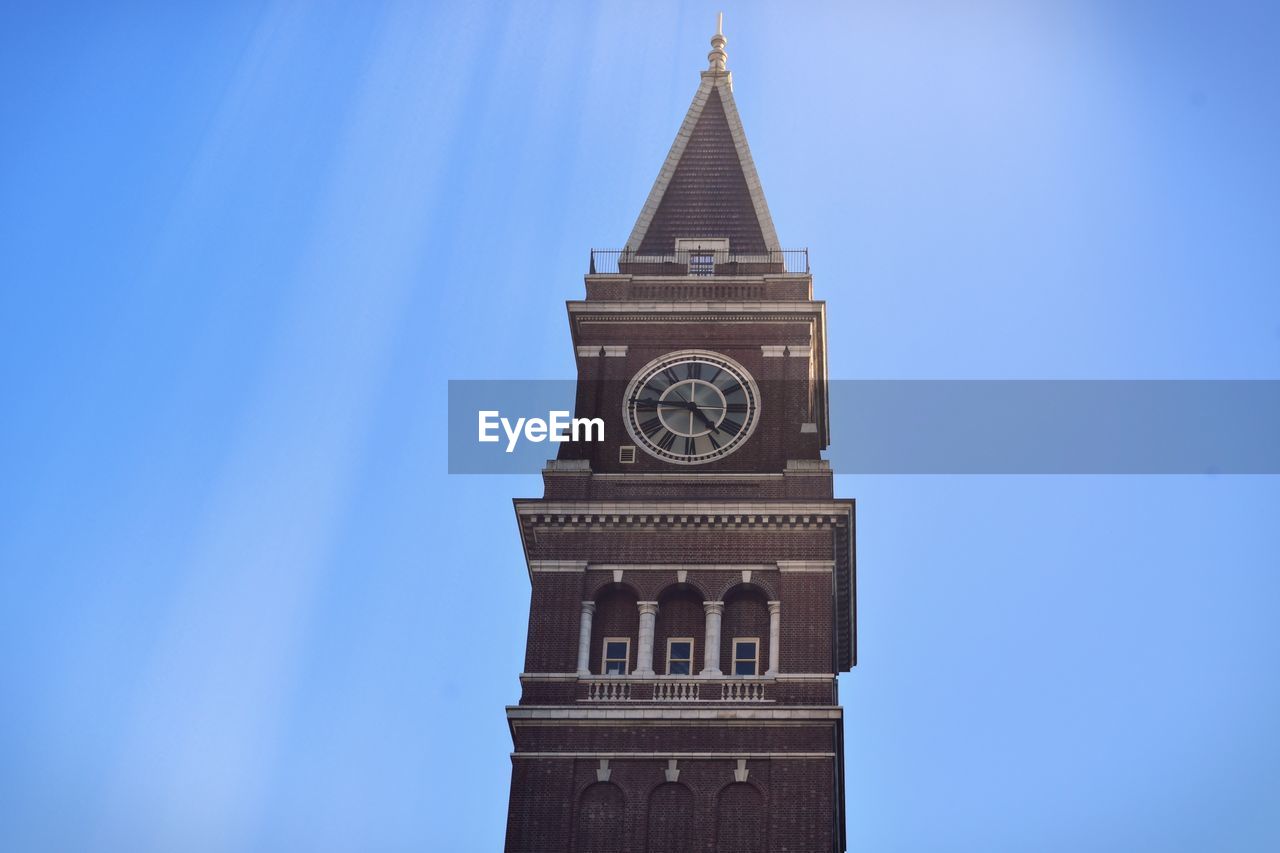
{"type": "Point", "coordinates": [634, 689]}
{"type": "Point", "coordinates": [564, 689]}
{"type": "Point", "coordinates": [699, 263]}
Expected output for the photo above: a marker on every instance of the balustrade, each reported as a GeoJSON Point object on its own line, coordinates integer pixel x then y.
{"type": "Point", "coordinates": [623, 689]}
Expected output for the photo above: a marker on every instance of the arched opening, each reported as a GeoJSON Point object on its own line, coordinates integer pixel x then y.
{"type": "Point", "coordinates": [598, 824]}
{"type": "Point", "coordinates": [744, 632]}
{"type": "Point", "coordinates": [671, 823]}
{"type": "Point", "coordinates": [617, 619]}
{"type": "Point", "coordinates": [740, 825]}
{"type": "Point", "coordinates": [679, 632]}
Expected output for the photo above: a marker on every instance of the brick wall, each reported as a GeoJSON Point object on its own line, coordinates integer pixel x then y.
{"type": "Point", "coordinates": [704, 811]}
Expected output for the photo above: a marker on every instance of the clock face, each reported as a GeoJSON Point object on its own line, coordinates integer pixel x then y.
{"type": "Point", "coordinates": [691, 407]}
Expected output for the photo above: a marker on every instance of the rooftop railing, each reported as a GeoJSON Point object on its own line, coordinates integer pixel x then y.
{"type": "Point", "coordinates": [699, 262]}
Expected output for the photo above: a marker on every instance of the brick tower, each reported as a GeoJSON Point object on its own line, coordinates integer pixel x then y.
{"type": "Point", "coordinates": [692, 574]}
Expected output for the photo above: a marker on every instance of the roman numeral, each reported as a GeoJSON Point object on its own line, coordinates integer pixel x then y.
{"type": "Point", "coordinates": [645, 404]}
{"type": "Point", "coordinates": [738, 408]}
{"type": "Point", "coordinates": [695, 370]}
{"type": "Point", "coordinates": [732, 387]}
{"type": "Point", "coordinates": [688, 446]}
{"type": "Point", "coordinates": [650, 426]}
{"type": "Point", "coordinates": [667, 440]}
{"type": "Point", "coordinates": [729, 426]}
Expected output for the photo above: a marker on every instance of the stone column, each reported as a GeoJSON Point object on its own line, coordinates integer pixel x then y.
{"type": "Point", "coordinates": [775, 633]}
{"type": "Point", "coordinates": [714, 610]}
{"type": "Point", "coordinates": [584, 638]}
{"type": "Point", "coordinates": [644, 654]}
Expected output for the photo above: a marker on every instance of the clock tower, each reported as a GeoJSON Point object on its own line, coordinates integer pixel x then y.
{"type": "Point", "coordinates": [692, 574]}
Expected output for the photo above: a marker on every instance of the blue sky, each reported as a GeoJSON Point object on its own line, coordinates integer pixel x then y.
{"type": "Point", "coordinates": [244, 245]}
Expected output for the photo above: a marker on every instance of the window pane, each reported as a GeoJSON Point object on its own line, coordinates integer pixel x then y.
{"type": "Point", "coordinates": [744, 667]}
{"type": "Point", "coordinates": [616, 650]}
{"type": "Point", "coordinates": [679, 667]}
{"type": "Point", "coordinates": [680, 651]}
{"type": "Point", "coordinates": [614, 667]}
{"type": "Point", "coordinates": [745, 650]}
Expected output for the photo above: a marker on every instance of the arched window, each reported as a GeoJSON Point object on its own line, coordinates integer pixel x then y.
{"type": "Point", "coordinates": [616, 618]}
{"type": "Point", "coordinates": [740, 820]}
{"type": "Point", "coordinates": [671, 822]}
{"type": "Point", "coordinates": [746, 619]}
{"type": "Point", "coordinates": [598, 824]}
{"type": "Point", "coordinates": [679, 632]}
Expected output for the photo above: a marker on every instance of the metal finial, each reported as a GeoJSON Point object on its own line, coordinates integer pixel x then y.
{"type": "Point", "coordinates": [717, 56]}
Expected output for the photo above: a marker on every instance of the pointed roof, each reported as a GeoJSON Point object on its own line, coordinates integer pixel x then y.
{"type": "Point", "coordinates": [708, 186]}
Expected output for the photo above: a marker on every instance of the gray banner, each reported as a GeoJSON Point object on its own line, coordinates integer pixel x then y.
{"type": "Point", "coordinates": [942, 426]}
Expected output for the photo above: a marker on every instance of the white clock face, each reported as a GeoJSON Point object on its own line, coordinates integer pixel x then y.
{"type": "Point", "coordinates": [691, 407]}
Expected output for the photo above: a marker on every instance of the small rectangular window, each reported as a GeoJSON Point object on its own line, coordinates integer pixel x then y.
{"type": "Point", "coordinates": [746, 655]}
{"type": "Point", "coordinates": [617, 655]}
{"type": "Point", "coordinates": [680, 656]}
{"type": "Point", "coordinates": [627, 454]}
{"type": "Point", "coordinates": [702, 263]}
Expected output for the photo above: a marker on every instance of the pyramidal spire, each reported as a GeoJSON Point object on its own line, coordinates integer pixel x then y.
{"type": "Point", "coordinates": [708, 187]}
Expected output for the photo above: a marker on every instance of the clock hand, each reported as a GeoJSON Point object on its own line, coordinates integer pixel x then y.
{"type": "Point", "coordinates": [706, 420]}
{"type": "Point", "coordinates": [679, 405]}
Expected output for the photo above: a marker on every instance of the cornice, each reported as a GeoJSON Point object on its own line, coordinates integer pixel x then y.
{"type": "Point", "coordinates": [682, 756]}
{"type": "Point", "coordinates": [573, 714]}
{"type": "Point", "coordinates": [716, 309]}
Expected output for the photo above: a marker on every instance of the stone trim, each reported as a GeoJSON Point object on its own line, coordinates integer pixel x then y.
{"type": "Point", "coordinates": [682, 567]}
{"type": "Point", "coordinates": [808, 466]}
{"type": "Point", "coordinates": [806, 565]}
{"type": "Point", "coordinates": [536, 506]}
{"type": "Point", "coordinates": [773, 350]}
{"type": "Point", "coordinates": [557, 565]}
{"type": "Point", "coordinates": [702, 478]}
{"type": "Point", "coordinates": [815, 677]}
{"type": "Point", "coordinates": [748, 165]}
{"type": "Point", "coordinates": [716, 715]}
{"type": "Point", "coordinates": [567, 466]}
{"type": "Point", "coordinates": [672, 756]}
{"type": "Point", "coordinates": [615, 516]}
{"type": "Point", "coordinates": [615, 351]}
{"type": "Point", "coordinates": [801, 310]}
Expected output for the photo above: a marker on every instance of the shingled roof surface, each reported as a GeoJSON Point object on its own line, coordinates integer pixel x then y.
{"type": "Point", "coordinates": [707, 195]}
